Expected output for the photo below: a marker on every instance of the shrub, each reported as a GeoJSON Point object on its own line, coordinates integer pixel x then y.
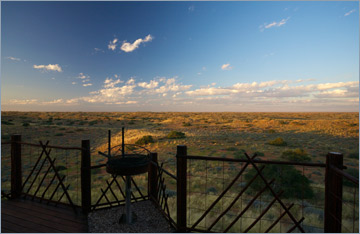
{"type": "Point", "coordinates": [93, 122]}
{"type": "Point", "coordinates": [211, 190]}
{"type": "Point", "coordinates": [59, 134]}
{"type": "Point", "coordinates": [353, 172]}
{"type": "Point", "coordinates": [6, 122]}
{"type": "Point", "coordinates": [278, 142]}
{"type": "Point", "coordinates": [60, 168]}
{"type": "Point", "coordinates": [287, 178]}
{"type": "Point", "coordinates": [283, 122]}
{"type": "Point", "coordinates": [5, 136]}
{"type": "Point", "coordinates": [26, 124]}
{"type": "Point", "coordinates": [145, 140]}
{"type": "Point", "coordinates": [296, 155]}
{"type": "Point", "coordinates": [231, 149]}
{"type": "Point", "coordinates": [170, 193]}
{"type": "Point", "coordinates": [186, 124]}
{"type": "Point", "coordinates": [240, 154]}
{"type": "Point", "coordinates": [260, 154]}
{"type": "Point", "coordinates": [175, 135]}
{"type": "Point", "coordinates": [354, 155]}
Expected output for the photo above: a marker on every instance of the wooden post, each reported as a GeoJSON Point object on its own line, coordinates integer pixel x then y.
{"type": "Point", "coordinates": [85, 177]}
{"type": "Point", "coordinates": [181, 171]}
{"type": "Point", "coordinates": [153, 177]}
{"type": "Point", "coordinates": [16, 174]}
{"type": "Point", "coordinates": [333, 193]}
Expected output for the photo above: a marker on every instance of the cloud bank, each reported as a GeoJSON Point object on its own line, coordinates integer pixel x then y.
{"type": "Point", "coordinates": [168, 93]}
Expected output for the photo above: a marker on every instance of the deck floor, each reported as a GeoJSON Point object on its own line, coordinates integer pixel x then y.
{"type": "Point", "coordinates": [32, 217]}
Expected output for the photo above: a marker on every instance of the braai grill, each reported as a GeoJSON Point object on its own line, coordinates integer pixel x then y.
{"type": "Point", "coordinates": [126, 165]}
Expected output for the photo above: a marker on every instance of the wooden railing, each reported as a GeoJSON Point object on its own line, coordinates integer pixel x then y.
{"type": "Point", "coordinates": [157, 185]}
{"type": "Point", "coordinates": [333, 188]}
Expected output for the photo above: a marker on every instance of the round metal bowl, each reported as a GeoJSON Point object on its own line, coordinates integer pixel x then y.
{"type": "Point", "coordinates": [130, 164]}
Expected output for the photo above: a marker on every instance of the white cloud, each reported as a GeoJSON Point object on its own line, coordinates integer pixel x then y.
{"type": "Point", "coordinates": [170, 85]}
{"type": "Point", "coordinates": [100, 50]}
{"type": "Point", "coordinates": [82, 76]}
{"type": "Point", "coordinates": [211, 91]}
{"type": "Point", "coordinates": [152, 84]}
{"type": "Point", "coordinates": [226, 66]}
{"type": "Point", "coordinates": [337, 85]}
{"type": "Point", "coordinates": [13, 58]}
{"type": "Point", "coordinates": [191, 8]}
{"type": "Point", "coordinates": [112, 44]}
{"type": "Point", "coordinates": [126, 103]}
{"type": "Point", "coordinates": [23, 101]}
{"type": "Point", "coordinates": [350, 12]}
{"type": "Point", "coordinates": [273, 24]}
{"type": "Point", "coordinates": [56, 101]}
{"type": "Point", "coordinates": [73, 83]}
{"type": "Point", "coordinates": [89, 84]}
{"type": "Point", "coordinates": [128, 47]}
{"type": "Point", "coordinates": [110, 83]}
{"type": "Point", "coordinates": [131, 81]}
{"type": "Point", "coordinates": [50, 67]}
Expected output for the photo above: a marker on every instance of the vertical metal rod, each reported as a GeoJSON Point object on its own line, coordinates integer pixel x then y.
{"type": "Point", "coordinates": [109, 143]}
{"type": "Point", "coordinates": [123, 142]}
{"type": "Point", "coordinates": [128, 200]}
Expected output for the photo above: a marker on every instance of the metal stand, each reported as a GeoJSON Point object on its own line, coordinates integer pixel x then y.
{"type": "Point", "coordinates": [128, 200]}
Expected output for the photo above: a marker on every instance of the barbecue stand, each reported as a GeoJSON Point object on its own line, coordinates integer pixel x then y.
{"type": "Point", "coordinates": [126, 165]}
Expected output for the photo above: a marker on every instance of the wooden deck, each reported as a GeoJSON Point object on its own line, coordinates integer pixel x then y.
{"type": "Point", "coordinates": [33, 217]}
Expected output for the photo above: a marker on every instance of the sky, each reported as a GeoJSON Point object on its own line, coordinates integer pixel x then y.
{"type": "Point", "coordinates": [180, 56]}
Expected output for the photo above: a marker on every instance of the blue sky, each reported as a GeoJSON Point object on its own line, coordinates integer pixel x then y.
{"type": "Point", "coordinates": [180, 56]}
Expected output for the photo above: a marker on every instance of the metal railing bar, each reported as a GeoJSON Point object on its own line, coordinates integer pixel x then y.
{"type": "Point", "coordinates": [164, 170]}
{"type": "Point", "coordinates": [255, 161]}
{"type": "Point", "coordinates": [344, 174]}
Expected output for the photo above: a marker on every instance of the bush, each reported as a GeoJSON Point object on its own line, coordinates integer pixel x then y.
{"type": "Point", "coordinates": [353, 172]}
{"type": "Point", "coordinates": [170, 193]}
{"type": "Point", "coordinates": [6, 122]}
{"type": "Point", "coordinates": [59, 134]}
{"type": "Point", "coordinates": [26, 124]}
{"type": "Point", "coordinates": [93, 122]}
{"type": "Point", "coordinates": [231, 149]}
{"type": "Point", "coordinates": [186, 124]}
{"type": "Point", "coordinates": [211, 190]}
{"type": "Point", "coordinates": [5, 136]}
{"type": "Point", "coordinates": [60, 168]}
{"type": "Point", "coordinates": [145, 140]}
{"type": "Point", "coordinates": [175, 135]}
{"type": "Point", "coordinates": [296, 155]}
{"type": "Point", "coordinates": [260, 154]}
{"type": "Point", "coordinates": [278, 142]}
{"type": "Point", "coordinates": [354, 155]}
{"type": "Point", "coordinates": [287, 178]}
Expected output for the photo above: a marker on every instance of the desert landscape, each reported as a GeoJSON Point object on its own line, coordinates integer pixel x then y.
{"type": "Point", "coordinates": [295, 137]}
